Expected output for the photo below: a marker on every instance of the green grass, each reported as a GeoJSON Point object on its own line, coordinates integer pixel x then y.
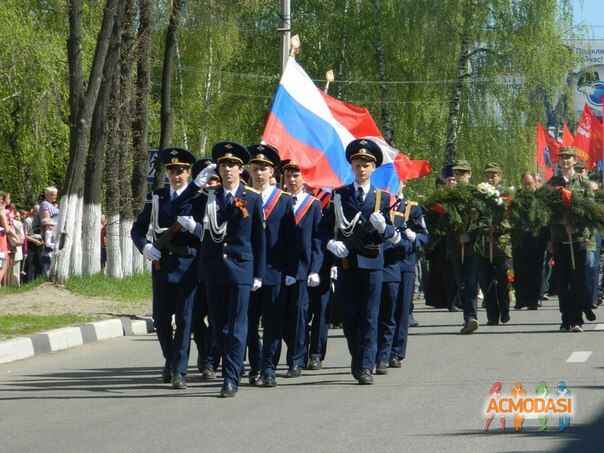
{"type": "Point", "coordinates": [15, 325]}
{"type": "Point", "coordinates": [131, 289]}
{"type": "Point", "coordinates": [5, 290]}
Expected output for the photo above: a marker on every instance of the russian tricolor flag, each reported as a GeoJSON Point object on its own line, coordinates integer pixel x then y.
{"type": "Point", "coordinates": [314, 129]}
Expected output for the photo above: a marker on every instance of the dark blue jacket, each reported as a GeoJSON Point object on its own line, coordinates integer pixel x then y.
{"type": "Point", "coordinates": [178, 269]}
{"type": "Point", "coordinates": [416, 223]}
{"type": "Point", "coordinates": [280, 234]}
{"type": "Point", "coordinates": [350, 208]}
{"type": "Point", "coordinates": [241, 256]}
{"type": "Point", "coordinates": [307, 245]}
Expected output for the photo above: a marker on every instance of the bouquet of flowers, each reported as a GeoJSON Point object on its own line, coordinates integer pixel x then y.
{"type": "Point", "coordinates": [579, 210]}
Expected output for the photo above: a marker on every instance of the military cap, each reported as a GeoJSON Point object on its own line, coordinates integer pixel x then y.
{"type": "Point", "coordinates": [579, 166]}
{"type": "Point", "coordinates": [230, 151]}
{"type": "Point", "coordinates": [290, 164]}
{"type": "Point", "coordinates": [492, 167]}
{"type": "Point", "coordinates": [461, 165]}
{"type": "Point", "coordinates": [172, 157]}
{"type": "Point", "coordinates": [199, 165]}
{"type": "Point", "coordinates": [567, 151]}
{"type": "Point", "coordinates": [364, 149]}
{"type": "Point", "coordinates": [264, 154]}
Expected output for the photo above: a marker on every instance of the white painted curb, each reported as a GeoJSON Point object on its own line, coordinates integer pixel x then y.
{"type": "Point", "coordinates": [112, 328]}
{"type": "Point", "coordinates": [16, 349]}
{"type": "Point", "coordinates": [64, 338]}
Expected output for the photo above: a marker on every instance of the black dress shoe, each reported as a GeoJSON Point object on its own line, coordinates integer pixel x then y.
{"type": "Point", "coordinates": [492, 323]}
{"type": "Point", "coordinates": [229, 390]}
{"type": "Point", "coordinates": [395, 363]}
{"type": "Point", "coordinates": [293, 372]}
{"type": "Point", "coordinates": [166, 374]}
{"type": "Point", "coordinates": [207, 374]}
{"type": "Point", "coordinates": [505, 318]}
{"type": "Point", "coordinates": [453, 309]}
{"type": "Point", "coordinates": [178, 381]}
{"type": "Point", "coordinates": [365, 377]}
{"type": "Point", "coordinates": [255, 379]}
{"type": "Point", "coordinates": [315, 364]}
{"type": "Point", "coordinates": [534, 307]}
{"type": "Point", "coordinates": [589, 314]}
{"type": "Point", "coordinates": [381, 368]}
{"type": "Point", "coordinates": [243, 372]}
{"type": "Point", "coordinates": [269, 381]}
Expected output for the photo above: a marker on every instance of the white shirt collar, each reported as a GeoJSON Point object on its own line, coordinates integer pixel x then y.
{"type": "Point", "coordinates": [266, 193]}
{"type": "Point", "coordinates": [232, 191]}
{"type": "Point", "coordinates": [300, 197]}
{"type": "Point", "coordinates": [366, 187]}
{"type": "Point", "coordinates": [178, 192]}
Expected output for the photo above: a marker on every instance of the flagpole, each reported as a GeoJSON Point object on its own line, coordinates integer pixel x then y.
{"type": "Point", "coordinates": [285, 30]}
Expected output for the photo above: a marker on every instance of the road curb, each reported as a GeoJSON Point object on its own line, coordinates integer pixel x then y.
{"type": "Point", "coordinates": [71, 337]}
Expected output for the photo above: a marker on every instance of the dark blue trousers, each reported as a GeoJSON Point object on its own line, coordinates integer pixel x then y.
{"type": "Point", "coordinates": [401, 315]}
{"type": "Point", "coordinates": [592, 276]}
{"type": "Point", "coordinates": [387, 323]}
{"type": "Point", "coordinates": [466, 277]}
{"type": "Point", "coordinates": [202, 333]}
{"type": "Point", "coordinates": [361, 291]}
{"type": "Point", "coordinates": [228, 305]}
{"type": "Point", "coordinates": [317, 332]}
{"type": "Point", "coordinates": [296, 320]}
{"type": "Point", "coordinates": [173, 299]}
{"type": "Point", "coordinates": [493, 278]}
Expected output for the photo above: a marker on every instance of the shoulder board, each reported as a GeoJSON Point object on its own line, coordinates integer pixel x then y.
{"type": "Point", "coordinates": [251, 189]}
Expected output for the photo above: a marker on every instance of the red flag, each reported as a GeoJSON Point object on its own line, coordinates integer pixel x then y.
{"type": "Point", "coordinates": [597, 137]}
{"type": "Point", "coordinates": [543, 152]}
{"type": "Point", "coordinates": [583, 138]}
{"type": "Point", "coordinates": [567, 136]}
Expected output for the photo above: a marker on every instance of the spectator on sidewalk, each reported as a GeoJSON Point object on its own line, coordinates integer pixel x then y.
{"type": "Point", "coordinates": [48, 226]}
{"type": "Point", "coordinates": [16, 240]}
{"type": "Point", "coordinates": [3, 235]}
{"type": "Point", "coordinates": [49, 208]}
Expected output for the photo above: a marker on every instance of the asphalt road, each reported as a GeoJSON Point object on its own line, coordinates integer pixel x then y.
{"type": "Point", "coordinates": [107, 397]}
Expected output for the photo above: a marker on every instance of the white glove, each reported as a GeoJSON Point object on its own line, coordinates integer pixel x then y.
{"type": "Point", "coordinates": [201, 180]}
{"type": "Point", "coordinates": [187, 222]}
{"type": "Point", "coordinates": [378, 221]}
{"type": "Point", "coordinates": [411, 235]}
{"type": "Point", "coordinates": [333, 273]}
{"type": "Point", "coordinates": [313, 280]}
{"type": "Point", "coordinates": [256, 284]}
{"type": "Point", "coordinates": [151, 253]}
{"type": "Point", "coordinates": [289, 280]}
{"type": "Point", "coordinates": [337, 248]}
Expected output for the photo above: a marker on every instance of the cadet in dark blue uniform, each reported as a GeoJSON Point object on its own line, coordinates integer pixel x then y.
{"type": "Point", "coordinates": [416, 236]}
{"type": "Point", "coordinates": [267, 301]}
{"type": "Point", "coordinates": [355, 227]}
{"type": "Point", "coordinates": [306, 248]}
{"type": "Point", "coordinates": [160, 239]}
{"type": "Point", "coordinates": [207, 359]}
{"type": "Point", "coordinates": [233, 255]}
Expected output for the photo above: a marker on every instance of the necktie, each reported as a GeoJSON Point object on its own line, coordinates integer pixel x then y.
{"type": "Point", "coordinates": [229, 199]}
{"type": "Point", "coordinates": [360, 193]}
{"type": "Point", "coordinates": [295, 200]}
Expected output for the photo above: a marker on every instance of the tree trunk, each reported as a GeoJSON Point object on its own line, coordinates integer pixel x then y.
{"type": "Point", "coordinates": [166, 119]}
{"type": "Point", "coordinates": [95, 167]}
{"type": "Point", "coordinates": [125, 115]}
{"type": "Point", "coordinates": [82, 106]}
{"type": "Point", "coordinates": [378, 45]}
{"type": "Point", "coordinates": [139, 125]}
{"type": "Point", "coordinates": [112, 182]}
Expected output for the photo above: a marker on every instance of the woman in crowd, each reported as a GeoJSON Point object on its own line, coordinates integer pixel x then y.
{"type": "Point", "coordinates": [3, 235]}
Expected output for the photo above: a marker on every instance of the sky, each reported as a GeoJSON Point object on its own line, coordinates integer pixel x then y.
{"type": "Point", "coordinates": [590, 13]}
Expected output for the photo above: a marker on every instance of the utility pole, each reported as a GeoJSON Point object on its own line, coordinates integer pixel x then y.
{"type": "Point", "coordinates": [285, 30]}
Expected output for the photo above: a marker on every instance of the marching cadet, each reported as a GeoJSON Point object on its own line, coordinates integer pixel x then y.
{"type": "Point", "coordinates": [233, 256]}
{"type": "Point", "coordinates": [207, 360]}
{"type": "Point", "coordinates": [355, 227]}
{"type": "Point", "coordinates": [570, 246]}
{"type": "Point", "coordinates": [495, 260]}
{"type": "Point", "coordinates": [400, 263]}
{"type": "Point", "coordinates": [463, 259]}
{"type": "Point", "coordinates": [306, 248]}
{"type": "Point", "coordinates": [173, 252]}
{"type": "Point", "coordinates": [267, 302]}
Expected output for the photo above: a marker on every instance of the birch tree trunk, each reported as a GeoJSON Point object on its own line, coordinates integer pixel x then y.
{"type": "Point", "coordinates": [82, 102]}
{"type": "Point", "coordinates": [95, 166]}
{"type": "Point", "coordinates": [139, 125]}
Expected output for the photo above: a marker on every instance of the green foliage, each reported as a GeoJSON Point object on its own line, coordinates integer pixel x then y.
{"type": "Point", "coordinates": [131, 289]}
{"type": "Point", "coordinates": [528, 212]}
{"type": "Point", "coordinates": [15, 325]}
{"type": "Point", "coordinates": [583, 213]}
{"type": "Point", "coordinates": [453, 210]}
